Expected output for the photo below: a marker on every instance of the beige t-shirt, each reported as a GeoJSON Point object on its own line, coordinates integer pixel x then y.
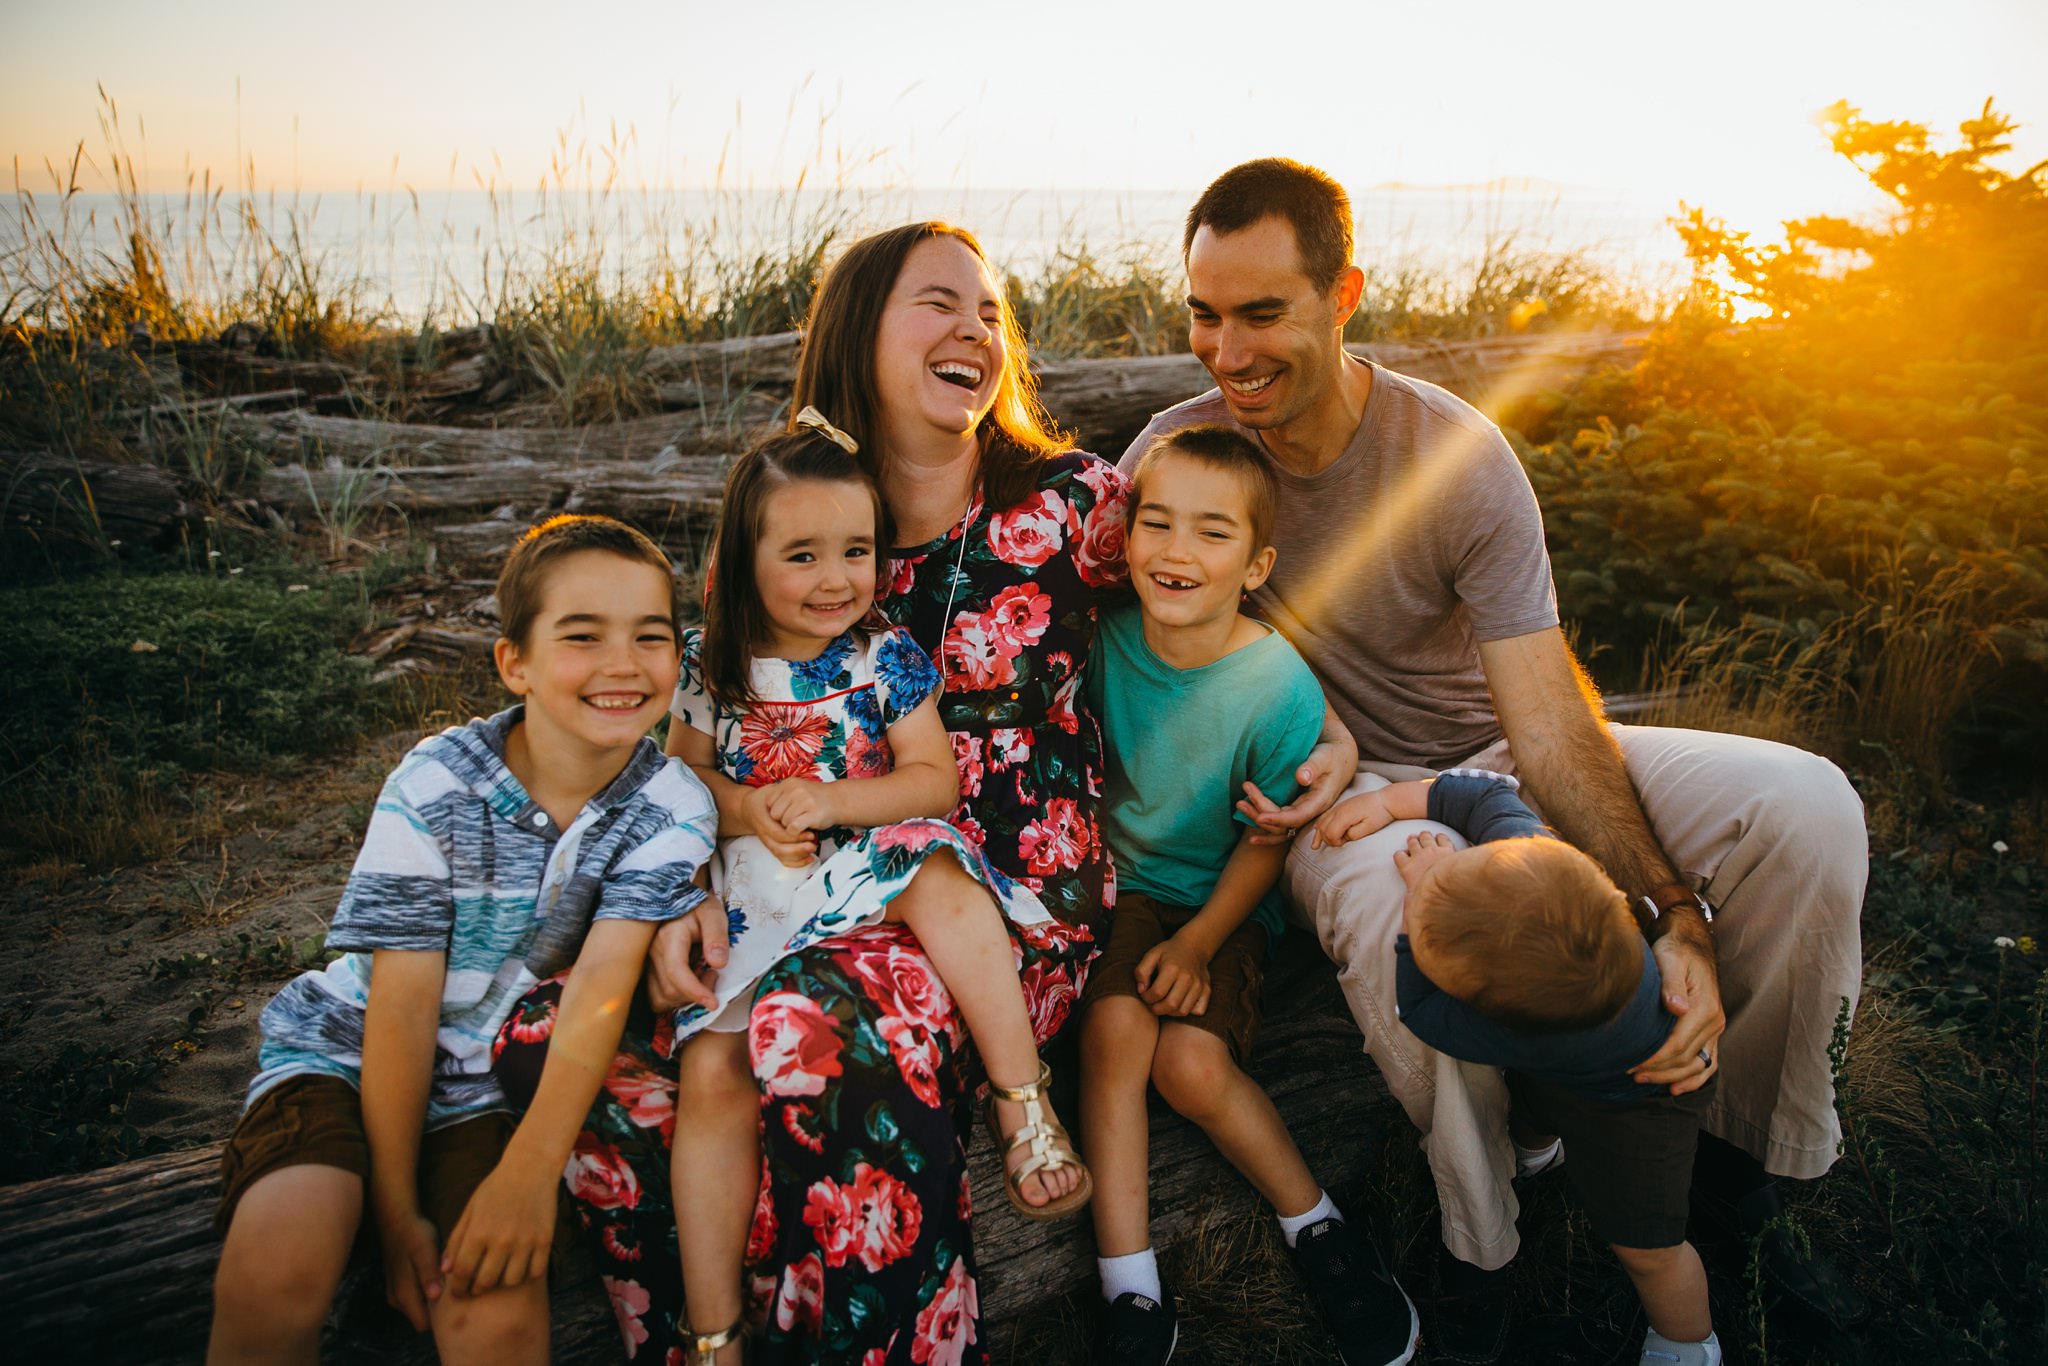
{"type": "Point", "coordinates": [1422, 539]}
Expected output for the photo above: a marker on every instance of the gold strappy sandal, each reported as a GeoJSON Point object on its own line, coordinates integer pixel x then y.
{"type": "Point", "coordinates": [1051, 1149]}
{"type": "Point", "coordinates": [702, 1348]}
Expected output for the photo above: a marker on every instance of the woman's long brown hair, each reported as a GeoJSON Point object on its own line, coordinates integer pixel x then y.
{"type": "Point", "coordinates": [734, 621]}
{"type": "Point", "coordinates": [836, 370]}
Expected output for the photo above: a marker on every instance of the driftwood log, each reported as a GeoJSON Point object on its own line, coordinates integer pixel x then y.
{"type": "Point", "coordinates": [118, 1264]}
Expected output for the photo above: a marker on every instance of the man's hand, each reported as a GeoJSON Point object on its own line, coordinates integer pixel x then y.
{"type": "Point", "coordinates": [412, 1264]}
{"type": "Point", "coordinates": [505, 1232]}
{"type": "Point", "coordinates": [793, 844]}
{"type": "Point", "coordinates": [1352, 819]}
{"type": "Point", "coordinates": [1692, 992]}
{"type": "Point", "coordinates": [683, 964]}
{"type": "Point", "coordinates": [1174, 979]}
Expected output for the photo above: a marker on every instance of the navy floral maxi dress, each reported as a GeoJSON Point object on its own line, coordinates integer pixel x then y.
{"type": "Point", "coordinates": [860, 1250]}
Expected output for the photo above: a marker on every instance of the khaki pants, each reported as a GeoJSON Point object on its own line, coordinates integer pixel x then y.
{"type": "Point", "coordinates": [1773, 835]}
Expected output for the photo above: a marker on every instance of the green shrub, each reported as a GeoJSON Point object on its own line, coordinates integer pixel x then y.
{"type": "Point", "coordinates": [1865, 460]}
{"type": "Point", "coordinates": [123, 684]}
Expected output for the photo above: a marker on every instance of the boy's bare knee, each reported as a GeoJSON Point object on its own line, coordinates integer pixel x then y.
{"type": "Point", "coordinates": [1191, 1069]}
{"type": "Point", "coordinates": [1115, 1027]}
{"type": "Point", "coordinates": [506, 1325]}
{"type": "Point", "coordinates": [1647, 1261]}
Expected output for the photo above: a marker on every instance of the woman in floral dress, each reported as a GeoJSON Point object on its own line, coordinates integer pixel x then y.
{"type": "Point", "coordinates": [861, 1249]}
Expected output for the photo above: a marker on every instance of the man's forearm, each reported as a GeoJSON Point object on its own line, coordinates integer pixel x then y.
{"type": "Point", "coordinates": [1550, 713]}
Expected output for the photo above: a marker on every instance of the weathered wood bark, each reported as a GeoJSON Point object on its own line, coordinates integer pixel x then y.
{"type": "Point", "coordinates": [118, 1264]}
{"type": "Point", "coordinates": [135, 504]}
{"type": "Point", "coordinates": [726, 368]}
{"type": "Point", "coordinates": [313, 438]}
{"type": "Point", "coordinates": [686, 487]}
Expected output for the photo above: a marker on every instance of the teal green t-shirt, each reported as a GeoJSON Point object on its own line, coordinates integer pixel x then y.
{"type": "Point", "coordinates": [1182, 742]}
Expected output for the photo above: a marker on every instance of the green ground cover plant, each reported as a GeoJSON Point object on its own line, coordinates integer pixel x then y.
{"type": "Point", "coordinates": [1857, 476]}
{"type": "Point", "coordinates": [135, 681]}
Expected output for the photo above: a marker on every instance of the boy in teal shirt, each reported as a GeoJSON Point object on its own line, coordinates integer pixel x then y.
{"type": "Point", "coordinates": [1196, 700]}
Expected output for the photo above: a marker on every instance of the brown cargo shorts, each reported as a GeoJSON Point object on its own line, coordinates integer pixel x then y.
{"type": "Point", "coordinates": [319, 1120]}
{"type": "Point", "coordinates": [1237, 974]}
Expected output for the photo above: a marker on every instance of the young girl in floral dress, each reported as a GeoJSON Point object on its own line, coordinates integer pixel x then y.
{"type": "Point", "coordinates": [784, 697]}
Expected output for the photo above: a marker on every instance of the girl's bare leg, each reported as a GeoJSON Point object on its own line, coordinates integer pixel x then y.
{"type": "Point", "coordinates": [957, 921]}
{"type": "Point", "coordinates": [715, 1173]}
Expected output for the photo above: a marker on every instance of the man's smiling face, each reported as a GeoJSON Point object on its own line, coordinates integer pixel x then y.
{"type": "Point", "coordinates": [1265, 332]}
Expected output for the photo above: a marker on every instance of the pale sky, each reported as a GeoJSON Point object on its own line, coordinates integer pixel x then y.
{"type": "Point", "coordinates": [1711, 103]}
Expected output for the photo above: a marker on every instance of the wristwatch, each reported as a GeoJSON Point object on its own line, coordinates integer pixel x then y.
{"type": "Point", "coordinates": [1652, 910]}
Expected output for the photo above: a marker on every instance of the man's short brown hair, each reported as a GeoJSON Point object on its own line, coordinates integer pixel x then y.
{"type": "Point", "coordinates": [1220, 448]}
{"type": "Point", "coordinates": [1314, 205]}
{"type": "Point", "coordinates": [1542, 930]}
{"type": "Point", "coordinates": [522, 583]}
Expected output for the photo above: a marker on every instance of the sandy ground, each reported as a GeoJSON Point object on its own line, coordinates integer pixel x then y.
{"type": "Point", "coordinates": [113, 962]}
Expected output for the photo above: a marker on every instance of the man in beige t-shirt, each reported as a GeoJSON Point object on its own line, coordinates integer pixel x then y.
{"type": "Point", "coordinates": [1413, 577]}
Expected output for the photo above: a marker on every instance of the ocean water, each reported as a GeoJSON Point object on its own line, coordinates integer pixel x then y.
{"type": "Point", "coordinates": [444, 255]}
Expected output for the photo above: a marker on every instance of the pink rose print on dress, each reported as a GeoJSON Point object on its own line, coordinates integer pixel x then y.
{"type": "Point", "coordinates": [1030, 533]}
{"type": "Point", "coordinates": [945, 1328]}
{"type": "Point", "coordinates": [801, 1123]}
{"type": "Point", "coordinates": [902, 982]}
{"type": "Point", "coordinates": [1061, 712]}
{"type": "Point", "coordinates": [973, 659]}
{"type": "Point", "coordinates": [800, 1299]}
{"type": "Point", "coordinates": [783, 742]}
{"type": "Point", "coordinates": [793, 1043]}
{"type": "Point", "coordinates": [1017, 618]}
{"type": "Point", "coordinates": [1058, 842]}
{"type": "Point", "coordinates": [834, 1220]}
{"type": "Point", "coordinates": [761, 1234]}
{"type": "Point", "coordinates": [1100, 559]}
{"type": "Point", "coordinates": [1011, 743]}
{"type": "Point", "coordinates": [617, 1250]}
{"type": "Point", "coordinates": [1048, 998]}
{"type": "Point", "coordinates": [649, 1100]}
{"type": "Point", "coordinates": [967, 758]}
{"type": "Point", "coordinates": [597, 1173]}
{"type": "Point", "coordinates": [902, 578]}
{"type": "Point", "coordinates": [629, 1302]}
{"type": "Point", "coordinates": [916, 1055]}
{"type": "Point", "coordinates": [890, 1217]}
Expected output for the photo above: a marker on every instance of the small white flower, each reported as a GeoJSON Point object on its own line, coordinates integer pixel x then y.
{"type": "Point", "coordinates": [295, 588]}
{"type": "Point", "coordinates": [2004, 942]}
{"type": "Point", "coordinates": [115, 543]}
{"type": "Point", "coordinates": [213, 554]}
{"type": "Point", "coordinates": [2000, 847]}
{"type": "Point", "coordinates": [236, 570]}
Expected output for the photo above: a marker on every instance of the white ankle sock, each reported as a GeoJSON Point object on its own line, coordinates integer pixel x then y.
{"type": "Point", "coordinates": [1137, 1271]}
{"type": "Point", "coordinates": [1657, 1347]}
{"type": "Point", "coordinates": [1529, 1161]}
{"type": "Point", "coordinates": [1293, 1224]}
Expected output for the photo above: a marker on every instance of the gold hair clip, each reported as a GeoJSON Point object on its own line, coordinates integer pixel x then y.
{"type": "Point", "coordinates": [811, 420]}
